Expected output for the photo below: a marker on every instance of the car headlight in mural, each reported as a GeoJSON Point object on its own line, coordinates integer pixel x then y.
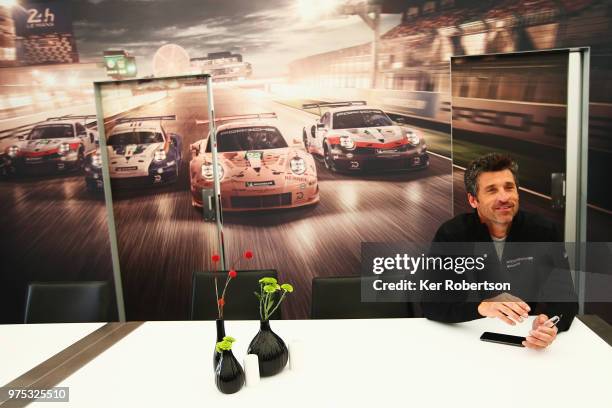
{"type": "Point", "coordinates": [298, 165]}
{"type": "Point", "coordinates": [13, 151]}
{"type": "Point", "coordinates": [160, 155]}
{"type": "Point", "coordinates": [207, 171]}
{"type": "Point", "coordinates": [96, 160]}
{"type": "Point", "coordinates": [56, 144]}
{"type": "Point", "coordinates": [413, 138]}
{"type": "Point", "coordinates": [257, 168]}
{"type": "Point", "coordinates": [63, 149]}
{"type": "Point", "coordinates": [140, 152]}
{"type": "Point", "coordinates": [347, 142]}
{"type": "Point", "coordinates": [351, 136]}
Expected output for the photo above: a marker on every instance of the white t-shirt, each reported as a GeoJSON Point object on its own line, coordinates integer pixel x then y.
{"type": "Point", "coordinates": [499, 245]}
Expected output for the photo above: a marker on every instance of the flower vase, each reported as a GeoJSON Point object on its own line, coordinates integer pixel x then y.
{"type": "Point", "coordinates": [270, 349]}
{"type": "Point", "coordinates": [220, 335]}
{"type": "Point", "coordinates": [229, 375]}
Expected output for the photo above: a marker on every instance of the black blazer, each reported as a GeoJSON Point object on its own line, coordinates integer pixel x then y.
{"type": "Point", "coordinates": [529, 267]}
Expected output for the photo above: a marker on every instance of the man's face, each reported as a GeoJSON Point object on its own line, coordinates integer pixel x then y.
{"type": "Point", "coordinates": [497, 199]}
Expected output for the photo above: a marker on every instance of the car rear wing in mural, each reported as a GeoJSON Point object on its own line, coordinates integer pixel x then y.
{"type": "Point", "coordinates": [146, 118]}
{"type": "Point", "coordinates": [89, 121]}
{"type": "Point", "coordinates": [339, 104]}
{"type": "Point", "coordinates": [265, 115]}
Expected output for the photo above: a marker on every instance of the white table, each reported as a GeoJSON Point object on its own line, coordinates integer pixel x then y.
{"type": "Point", "coordinates": [351, 363]}
{"type": "Point", "coordinates": [24, 346]}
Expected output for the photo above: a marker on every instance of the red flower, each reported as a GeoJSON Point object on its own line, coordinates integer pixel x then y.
{"type": "Point", "coordinates": [248, 254]}
{"type": "Point", "coordinates": [221, 302]}
{"type": "Point", "coordinates": [232, 274]}
{"type": "Point", "coordinates": [215, 258]}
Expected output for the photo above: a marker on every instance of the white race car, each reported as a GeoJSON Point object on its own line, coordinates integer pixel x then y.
{"type": "Point", "coordinates": [140, 152]}
{"type": "Point", "coordinates": [56, 144]}
{"type": "Point", "coordinates": [352, 136]}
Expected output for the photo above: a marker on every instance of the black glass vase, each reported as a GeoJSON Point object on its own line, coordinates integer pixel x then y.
{"type": "Point", "coordinates": [220, 336]}
{"type": "Point", "coordinates": [229, 375]}
{"type": "Point", "coordinates": [270, 349]}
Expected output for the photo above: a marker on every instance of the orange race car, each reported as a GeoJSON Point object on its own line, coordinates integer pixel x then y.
{"type": "Point", "coordinates": [257, 167]}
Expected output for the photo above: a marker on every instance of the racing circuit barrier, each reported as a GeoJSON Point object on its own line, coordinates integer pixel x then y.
{"type": "Point", "coordinates": [536, 122]}
{"type": "Point", "coordinates": [430, 106]}
{"type": "Point", "coordinates": [125, 101]}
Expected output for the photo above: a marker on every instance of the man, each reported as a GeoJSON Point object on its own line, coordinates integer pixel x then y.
{"type": "Point", "coordinates": [492, 190]}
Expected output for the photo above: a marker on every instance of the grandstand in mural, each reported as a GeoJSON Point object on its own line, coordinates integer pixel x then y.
{"type": "Point", "coordinates": [414, 55]}
{"type": "Point", "coordinates": [223, 66]}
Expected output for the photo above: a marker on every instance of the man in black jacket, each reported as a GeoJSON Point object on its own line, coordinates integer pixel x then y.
{"type": "Point", "coordinates": [492, 190]}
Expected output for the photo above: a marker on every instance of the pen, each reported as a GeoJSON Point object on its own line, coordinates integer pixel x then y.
{"type": "Point", "coordinates": [554, 320]}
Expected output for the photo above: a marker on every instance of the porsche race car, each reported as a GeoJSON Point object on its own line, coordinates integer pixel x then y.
{"type": "Point", "coordinates": [140, 152]}
{"type": "Point", "coordinates": [57, 144]}
{"type": "Point", "coordinates": [257, 168]}
{"type": "Point", "coordinates": [352, 136]}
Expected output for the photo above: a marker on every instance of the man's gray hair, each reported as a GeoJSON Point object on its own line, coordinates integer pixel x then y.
{"type": "Point", "coordinates": [488, 162]}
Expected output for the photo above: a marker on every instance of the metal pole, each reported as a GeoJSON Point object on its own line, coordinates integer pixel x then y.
{"type": "Point", "coordinates": [215, 163]}
{"type": "Point", "coordinates": [108, 201]}
{"type": "Point", "coordinates": [576, 165]}
{"type": "Point", "coordinates": [375, 44]}
{"type": "Point", "coordinates": [374, 24]}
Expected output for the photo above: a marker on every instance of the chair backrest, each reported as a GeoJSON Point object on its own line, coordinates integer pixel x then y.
{"type": "Point", "coordinates": [67, 302]}
{"type": "Point", "coordinates": [240, 302]}
{"type": "Point", "coordinates": [340, 298]}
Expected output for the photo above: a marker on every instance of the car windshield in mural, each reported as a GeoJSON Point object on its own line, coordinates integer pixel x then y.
{"type": "Point", "coordinates": [51, 132]}
{"type": "Point", "coordinates": [361, 118]}
{"type": "Point", "coordinates": [255, 138]}
{"type": "Point", "coordinates": [135, 137]}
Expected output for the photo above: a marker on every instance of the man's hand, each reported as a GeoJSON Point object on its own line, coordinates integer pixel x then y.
{"type": "Point", "coordinates": [541, 335]}
{"type": "Point", "coordinates": [506, 307]}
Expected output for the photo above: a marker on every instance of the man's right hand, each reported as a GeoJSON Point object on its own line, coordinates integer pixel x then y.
{"type": "Point", "coordinates": [506, 307]}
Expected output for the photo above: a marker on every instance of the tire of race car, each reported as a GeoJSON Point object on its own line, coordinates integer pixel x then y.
{"type": "Point", "coordinates": [80, 159]}
{"type": "Point", "coordinates": [305, 139]}
{"type": "Point", "coordinates": [327, 159]}
{"type": "Point", "coordinates": [90, 187]}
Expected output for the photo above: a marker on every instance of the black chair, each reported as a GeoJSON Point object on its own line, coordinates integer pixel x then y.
{"type": "Point", "coordinates": [241, 303]}
{"type": "Point", "coordinates": [340, 298]}
{"type": "Point", "coordinates": [67, 302]}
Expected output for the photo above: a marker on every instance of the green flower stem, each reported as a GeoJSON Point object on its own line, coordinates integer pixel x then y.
{"type": "Point", "coordinates": [267, 305]}
{"type": "Point", "coordinates": [260, 300]}
{"type": "Point", "coordinates": [270, 304]}
{"type": "Point", "coordinates": [278, 304]}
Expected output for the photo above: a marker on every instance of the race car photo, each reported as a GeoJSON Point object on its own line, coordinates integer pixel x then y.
{"type": "Point", "coordinates": [54, 145]}
{"type": "Point", "coordinates": [140, 153]}
{"type": "Point", "coordinates": [257, 168]}
{"type": "Point", "coordinates": [351, 136]}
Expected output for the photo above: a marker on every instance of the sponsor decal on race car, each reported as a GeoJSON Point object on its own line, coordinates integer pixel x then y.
{"type": "Point", "coordinates": [296, 178]}
{"type": "Point", "coordinates": [259, 183]}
